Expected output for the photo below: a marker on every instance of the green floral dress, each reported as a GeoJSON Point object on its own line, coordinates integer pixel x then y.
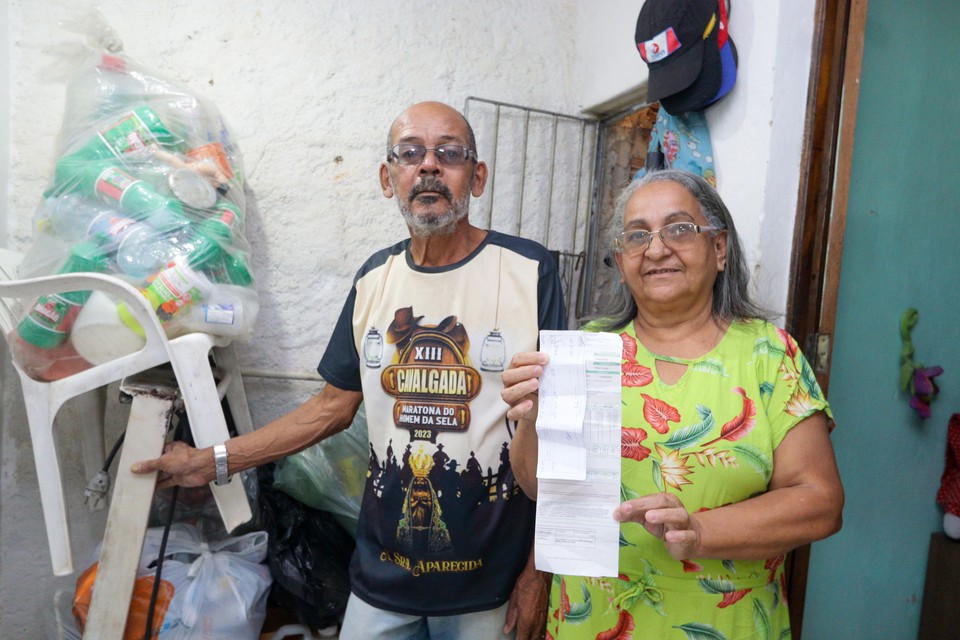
{"type": "Point", "coordinates": [709, 439]}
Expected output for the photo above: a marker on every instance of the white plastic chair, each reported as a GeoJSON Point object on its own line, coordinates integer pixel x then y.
{"type": "Point", "coordinates": [188, 356]}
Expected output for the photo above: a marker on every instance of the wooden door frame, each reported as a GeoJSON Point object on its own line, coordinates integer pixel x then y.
{"type": "Point", "coordinates": [822, 208]}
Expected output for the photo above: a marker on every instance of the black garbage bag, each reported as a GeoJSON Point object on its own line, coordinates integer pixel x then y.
{"type": "Point", "coordinates": [308, 554]}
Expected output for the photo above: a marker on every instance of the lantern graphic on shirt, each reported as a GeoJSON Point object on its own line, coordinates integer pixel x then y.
{"type": "Point", "coordinates": [373, 348]}
{"type": "Point", "coordinates": [493, 352]}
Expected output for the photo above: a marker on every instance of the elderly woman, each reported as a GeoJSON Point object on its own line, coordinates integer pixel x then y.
{"type": "Point", "coordinates": [726, 461]}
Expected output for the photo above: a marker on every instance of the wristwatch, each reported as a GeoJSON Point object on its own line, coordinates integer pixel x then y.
{"type": "Point", "coordinates": [220, 460]}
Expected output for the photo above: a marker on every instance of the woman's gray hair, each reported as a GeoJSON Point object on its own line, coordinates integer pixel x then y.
{"type": "Point", "coordinates": [731, 290]}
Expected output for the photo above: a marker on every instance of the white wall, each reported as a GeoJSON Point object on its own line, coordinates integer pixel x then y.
{"type": "Point", "coordinates": [756, 130]}
{"type": "Point", "coordinates": [310, 90]}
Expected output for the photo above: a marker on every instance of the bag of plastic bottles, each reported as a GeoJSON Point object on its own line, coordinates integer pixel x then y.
{"type": "Point", "coordinates": [149, 187]}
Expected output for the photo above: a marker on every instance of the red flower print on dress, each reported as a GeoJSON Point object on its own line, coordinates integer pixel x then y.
{"type": "Point", "coordinates": [742, 424]}
{"type": "Point", "coordinates": [658, 413]}
{"type": "Point", "coordinates": [771, 565]}
{"type": "Point", "coordinates": [788, 342]}
{"type": "Point", "coordinates": [629, 347]}
{"type": "Point", "coordinates": [689, 566]}
{"type": "Point", "coordinates": [635, 375]}
{"type": "Point", "coordinates": [630, 446]}
{"type": "Point", "coordinates": [732, 597]}
{"type": "Point", "coordinates": [623, 630]}
{"type": "Point", "coordinates": [564, 600]}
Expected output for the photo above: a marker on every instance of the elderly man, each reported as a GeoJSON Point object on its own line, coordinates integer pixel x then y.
{"type": "Point", "coordinates": [425, 331]}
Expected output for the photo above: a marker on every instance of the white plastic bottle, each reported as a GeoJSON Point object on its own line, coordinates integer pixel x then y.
{"type": "Point", "coordinates": [227, 310]}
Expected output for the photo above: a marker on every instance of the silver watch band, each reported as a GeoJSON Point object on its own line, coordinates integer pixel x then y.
{"type": "Point", "coordinates": [220, 460]}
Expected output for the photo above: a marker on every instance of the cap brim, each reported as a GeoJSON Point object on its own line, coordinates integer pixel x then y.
{"type": "Point", "coordinates": [705, 87]}
{"type": "Point", "coordinates": [675, 73]}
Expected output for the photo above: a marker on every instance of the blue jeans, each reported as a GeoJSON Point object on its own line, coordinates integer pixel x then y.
{"type": "Point", "coordinates": [365, 622]}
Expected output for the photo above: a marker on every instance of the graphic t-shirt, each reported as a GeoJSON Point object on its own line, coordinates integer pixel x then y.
{"type": "Point", "coordinates": [444, 528]}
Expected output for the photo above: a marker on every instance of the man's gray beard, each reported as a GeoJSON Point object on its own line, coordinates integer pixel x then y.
{"type": "Point", "coordinates": [435, 225]}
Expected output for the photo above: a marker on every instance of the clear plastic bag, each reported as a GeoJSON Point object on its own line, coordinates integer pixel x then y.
{"type": "Point", "coordinates": [149, 187]}
{"type": "Point", "coordinates": [330, 475]}
{"type": "Point", "coordinates": [219, 588]}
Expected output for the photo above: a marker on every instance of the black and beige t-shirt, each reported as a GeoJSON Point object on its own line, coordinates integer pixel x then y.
{"type": "Point", "coordinates": [444, 528]}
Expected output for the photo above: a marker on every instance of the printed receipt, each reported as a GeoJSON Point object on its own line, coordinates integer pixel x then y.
{"type": "Point", "coordinates": [578, 471]}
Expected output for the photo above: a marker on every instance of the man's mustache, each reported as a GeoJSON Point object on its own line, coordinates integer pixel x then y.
{"type": "Point", "coordinates": [430, 184]}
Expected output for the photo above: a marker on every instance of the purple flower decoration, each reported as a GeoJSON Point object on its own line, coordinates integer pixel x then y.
{"type": "Point", "coordinates": [924, 389]}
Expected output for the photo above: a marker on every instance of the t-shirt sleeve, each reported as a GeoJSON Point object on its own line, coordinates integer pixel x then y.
{"type": "Point", "coordinates": [552, 313]}
{"type": "Point", "coordinates": [340, 364]}
{"type": "Point", "coordinates": [791, 391]}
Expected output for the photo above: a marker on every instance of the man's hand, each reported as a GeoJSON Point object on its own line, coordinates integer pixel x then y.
{"type": "Point", "coordinates": [180, 465]}
{"type": "Point", "coordinates": [527, 609]}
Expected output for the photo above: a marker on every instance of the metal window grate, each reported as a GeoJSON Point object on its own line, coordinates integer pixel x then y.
{"type": "Point", "coordinates": [540, 186]}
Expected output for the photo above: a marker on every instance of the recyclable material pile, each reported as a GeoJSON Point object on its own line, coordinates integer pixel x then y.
{"type": "Point", "coordinates": [147, 187]}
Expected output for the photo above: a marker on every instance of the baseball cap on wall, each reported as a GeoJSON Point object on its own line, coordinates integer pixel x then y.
{"type": "Point", "coordinates": [728, 53]}
{"type": "Point", "coordinates": [678, 39]}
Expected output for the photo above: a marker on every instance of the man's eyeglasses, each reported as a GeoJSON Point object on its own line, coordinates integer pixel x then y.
{"type": "Point", "coordinates": [450, 155]}
{"type": "Point", "coordinates": [674, 235]}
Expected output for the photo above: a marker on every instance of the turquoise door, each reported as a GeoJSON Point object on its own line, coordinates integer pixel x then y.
{"type": "Point", "coordinates": [901, 249]}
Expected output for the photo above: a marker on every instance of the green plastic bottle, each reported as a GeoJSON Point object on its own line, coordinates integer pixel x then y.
{"type": "Point", "coordinates": [182, 282]}
{"type": "Point", "coordinates": [51, 317]}
{"type": "Point", "coordinates": [128, 138]}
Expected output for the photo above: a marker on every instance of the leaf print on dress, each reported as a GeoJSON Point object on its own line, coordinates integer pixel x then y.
{"type": "Point", "coordinates": [756, 459]}
{"type": "Point", "coordinates": [635, 375]}
{"type": "Point", "coordinates": [741, 425]}
{"type": "Point", "coordinates": [710, 365]}
{"type": "Point", "coordinates": [658, 413]}
{"type": "Point", "coordinates": [731, 595]}
{"type": "Point", "coordinates": [629, 347]}
{"type": "Point", "coordinates": [630, 444]}
{"type": "Point", "coordinates": [766, 346]}
{"type": "Point", "coordinates": [701, 631]}
{"type": "Point", "coordinates": [576, 613]}
{"type": "Point", "coordinates": [620, 631]}
{"type": "Point", "coordinates": [807, 377]}
{"type": "Point", "coordinates": [761, 620]}
{"type": "Point", "coordinates": [689, 436]}
{"type": "Point", "coordinates": [673, 468]}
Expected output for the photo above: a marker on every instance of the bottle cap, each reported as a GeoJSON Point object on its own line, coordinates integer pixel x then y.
{"type": "Point", "coordinates": [192, 188]}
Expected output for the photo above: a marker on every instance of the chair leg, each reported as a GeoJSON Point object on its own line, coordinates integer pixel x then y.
{"type": "Point", "coordinates": [226, 359]}
{"type": "Point", "coordinates": [129, 511]}
{"type": "Point", "coordinates": [207, 422]}
{"type": "Point", "coordinates": [40, 416]}
{"type": "Point", "coordinates": [91, 420]}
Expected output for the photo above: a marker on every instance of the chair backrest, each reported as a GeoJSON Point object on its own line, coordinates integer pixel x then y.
{"type": "Point", "coordinates": [9, 261]}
